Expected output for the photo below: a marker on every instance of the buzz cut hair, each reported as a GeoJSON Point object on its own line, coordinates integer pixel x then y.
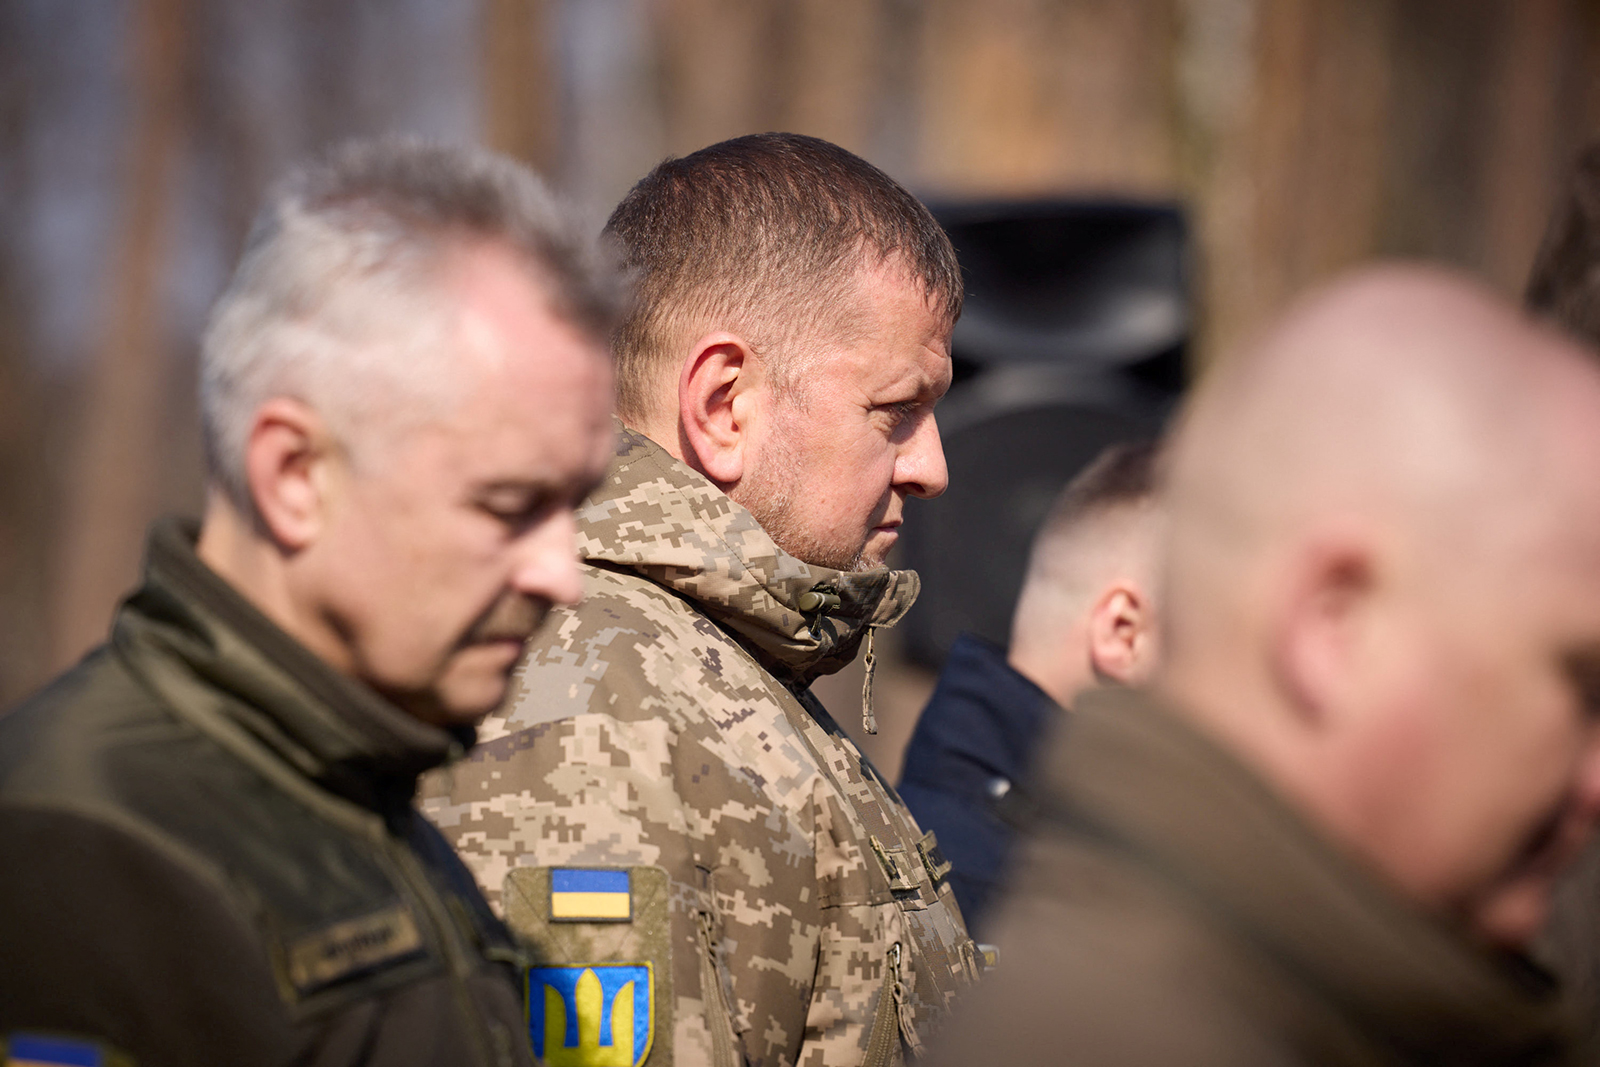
{"type": "Point", "coordinates": [339, 298]}
{"type": "Point", "coordinates": [1125, 475]}
{"type": "Point", "coordinates": [1564, 284]}
{"type": "Point", "coordinates": [765, 236]}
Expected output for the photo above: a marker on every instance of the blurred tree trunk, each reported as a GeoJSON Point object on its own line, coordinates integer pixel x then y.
{"type": "Point", "coordinates": [24, 514]}
{"type": "Point", "coordinates": [22, 510]}
{"type": "Point", "coordinates": [829, 81]}
{"type": "Point", "coordinates": [717, 60]}
{"type": "Point", "coordinates": [828, 68]}
{"type": "Point", "coordinates": [112, 488]}
{"type": "Point", "coordinates": [1521, 156]}
{"type": "Point", "coordinates": [1287, 109]}
{"type": "Point", "coordinates": [520, 89]}
{"type": "Point", "coordinates": [1038, 96]}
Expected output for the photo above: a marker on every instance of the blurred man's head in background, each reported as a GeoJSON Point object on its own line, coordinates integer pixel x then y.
{"type": "Point", "coordinates": [1086, 614]}
{"type": "Point", "coordinates": [1382, 586]}
{"type": "Point", "coordinates": [791, 336]}
{"type": "Point", "coordinates": [404, 391]}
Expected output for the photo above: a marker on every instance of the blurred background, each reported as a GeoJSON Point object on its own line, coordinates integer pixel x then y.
{"type": "Point", "coordinates": [1289, 138]}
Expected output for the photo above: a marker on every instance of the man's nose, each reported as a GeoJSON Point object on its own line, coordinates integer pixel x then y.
{"type": "Point", "coordinates": [920, 469]}
{"type": "Point", "coordinates": [1586, 783]}
{"type": "Point", "coordinates": [547, 561]}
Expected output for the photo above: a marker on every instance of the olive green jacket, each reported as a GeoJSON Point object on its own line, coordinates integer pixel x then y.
{"type": "Point", "coordinates": [1170, 909]}
{"type": "Point", "coordinates": [211, 855]}
{"type": "Point", "coordinates": [786, 908]}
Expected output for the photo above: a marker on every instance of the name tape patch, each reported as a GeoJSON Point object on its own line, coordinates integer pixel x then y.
{"type": "Point", "coordinates": [590, 894]}
{"type": "Point", "coordinates": [353, 946]}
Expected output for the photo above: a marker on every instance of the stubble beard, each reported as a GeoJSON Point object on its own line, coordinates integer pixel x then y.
{"type": "Point", "coordinates": [768, 493]}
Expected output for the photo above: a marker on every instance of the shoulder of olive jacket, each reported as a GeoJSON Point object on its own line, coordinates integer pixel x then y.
{"type": "Point", "coordinates": [1172, 908]}
{"type": "Point", "coordinates": [212, 856]}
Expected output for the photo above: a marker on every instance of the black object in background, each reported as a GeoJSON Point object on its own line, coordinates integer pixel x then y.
{"type": "Point", "coordinates": [1073, 338]}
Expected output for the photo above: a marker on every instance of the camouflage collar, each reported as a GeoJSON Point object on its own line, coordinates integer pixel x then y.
{"type": "Point", "coordinates": [656, 516]}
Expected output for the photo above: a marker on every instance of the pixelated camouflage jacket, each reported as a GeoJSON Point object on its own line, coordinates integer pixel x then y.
{"type": "Point", "coordinates": [665, 725]}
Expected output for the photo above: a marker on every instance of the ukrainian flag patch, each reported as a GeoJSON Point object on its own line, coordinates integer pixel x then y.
{"type": "Point", "coordinates": [34, 1050]}
{"type": "Point", "coordinates": [592, 1014]}
{"type": "Point", "coordinates": [590, 895]}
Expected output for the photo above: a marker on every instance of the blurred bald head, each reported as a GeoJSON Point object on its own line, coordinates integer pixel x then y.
{"type": "Point", "coordinates": [1383, 583]}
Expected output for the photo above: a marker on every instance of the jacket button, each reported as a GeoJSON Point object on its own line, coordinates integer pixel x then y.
{"type": "Point", "coordinates": [998, 787]}
{"type": "Point", "coordinates": [814, 601]}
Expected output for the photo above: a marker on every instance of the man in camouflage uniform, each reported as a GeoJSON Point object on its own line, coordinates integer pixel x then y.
{"type": "Point", "coordinates": [710, 870]}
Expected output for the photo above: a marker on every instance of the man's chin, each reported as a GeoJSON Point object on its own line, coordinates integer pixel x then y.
{"type": "Point", "coordinates": [476, 685]}
{"type": "Point", "coordinates": [1512, 916]}
{"type": "Point", "coordinates": [875, 553]}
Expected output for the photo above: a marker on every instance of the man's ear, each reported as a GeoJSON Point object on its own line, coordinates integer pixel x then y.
{"type": "Point", "coordinates": [287, 466]}
{"type": "Point", "coordinates": [1121, 635]}
{"type": "Point", "coordinates": [715, 403]}
{"type": "Point", "coordinates": [1316, 634]}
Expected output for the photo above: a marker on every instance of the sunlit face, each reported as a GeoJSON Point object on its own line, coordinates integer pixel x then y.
{"type": "Point", "coordinates": [830, 475]}
{"type": "Point", "coordinates": [1499, 748]}
{"type": "Point", "coordinates": [1539, 749]}
{"type": "Point", "coordinates": [442, 555]}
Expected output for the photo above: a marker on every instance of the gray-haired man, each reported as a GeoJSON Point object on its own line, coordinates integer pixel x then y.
{"type": "Point", "coordinates": [211, 851]}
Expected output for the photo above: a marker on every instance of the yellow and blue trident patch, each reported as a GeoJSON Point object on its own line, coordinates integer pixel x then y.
{"type": "Point", "coordinates": [592, 1015]}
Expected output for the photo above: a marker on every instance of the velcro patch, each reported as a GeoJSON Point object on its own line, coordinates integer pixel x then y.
{"type": "Point", "coordinates": [584, 964]}
{"type": "Point", "coordinates": [346, 948]}
{"type": "Point", "coordinates": [896, 865]}
{"type": "Point", "coordinates": [933, 859]}
{"type": "Point", "coordinates": [590, 895]}
{"type": "Point", "coordinates": [592, 1014]}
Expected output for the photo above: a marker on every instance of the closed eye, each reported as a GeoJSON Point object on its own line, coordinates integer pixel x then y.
{"type": "Point", "coordinates": [899, 413]}
{"type": "Point", "coordinates": [518, 516]}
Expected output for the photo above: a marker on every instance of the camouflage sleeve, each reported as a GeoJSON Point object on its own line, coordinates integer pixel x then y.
{"type": "Point", "coordinates": [662, 748]}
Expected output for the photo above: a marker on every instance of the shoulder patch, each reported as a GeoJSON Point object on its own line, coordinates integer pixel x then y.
{"type": "Point", "coordinates": [592, 1014]}
{"type": "Point", "coordinates": [50, 1050]}
{"type": "Point", "coordinates": [599, 991]}
{"type": "Point", "coordinates": [590, 894]}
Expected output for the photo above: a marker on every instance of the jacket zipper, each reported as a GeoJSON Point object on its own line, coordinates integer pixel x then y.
{"type": "Point", "coordinates": [885, 1036]}
{"type": "Point", "coordinates": [902, 1007]}
{"type": "Point", "coordinates": [716, 1000]}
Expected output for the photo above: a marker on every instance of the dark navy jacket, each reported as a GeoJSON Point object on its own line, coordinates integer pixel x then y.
{"type": "Point", "coordinates": [971, 746]}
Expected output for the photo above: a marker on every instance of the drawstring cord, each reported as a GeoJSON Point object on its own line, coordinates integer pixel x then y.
{"type": "Point", "coordinates": [869, 720]}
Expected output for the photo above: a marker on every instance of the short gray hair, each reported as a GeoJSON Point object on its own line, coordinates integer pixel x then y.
{"type": "Point", "coordinates": [337, 298]}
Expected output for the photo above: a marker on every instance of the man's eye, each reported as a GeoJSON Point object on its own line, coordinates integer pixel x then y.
{"type": "Point", "coordinates": [899, 413]}
{"type": "Point", "coordinates": [515, 513]}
